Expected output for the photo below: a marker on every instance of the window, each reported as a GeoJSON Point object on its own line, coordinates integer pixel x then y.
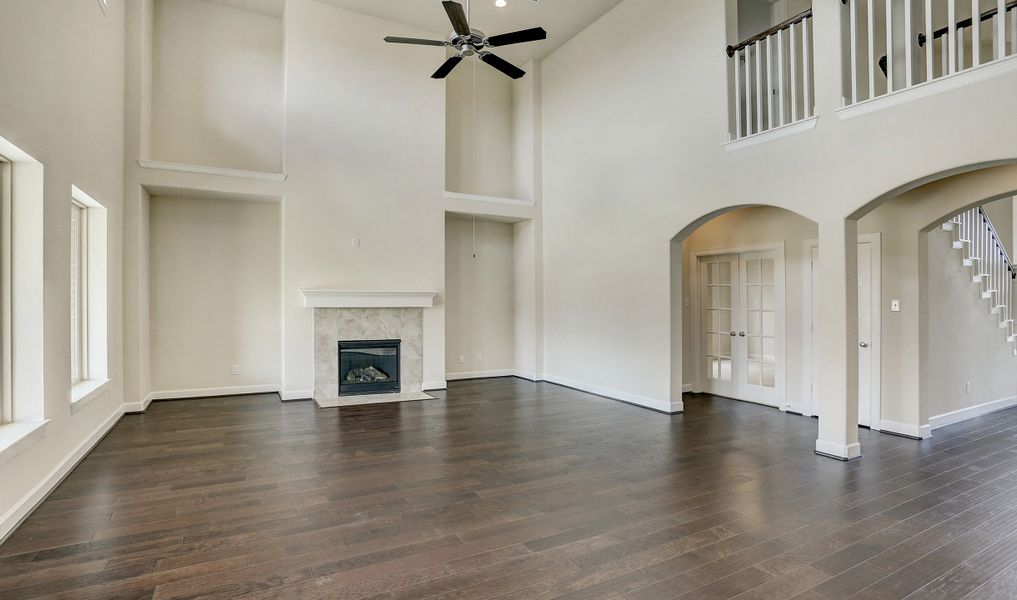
{"type": "Point", "coordinates": [88, 335]}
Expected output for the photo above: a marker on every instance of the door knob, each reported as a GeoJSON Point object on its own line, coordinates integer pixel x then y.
{"type": "Point", "coordinates": [733, 334]}
{"type": "Point", "coordinates": [741, 333]}
{"type": "Point", "coordinates": [864, 344]}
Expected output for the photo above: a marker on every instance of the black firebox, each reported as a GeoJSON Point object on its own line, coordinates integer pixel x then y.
{"type": "Point", "coordinates": [369, 367]}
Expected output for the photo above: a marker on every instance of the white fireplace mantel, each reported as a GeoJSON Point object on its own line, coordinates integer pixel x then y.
{"type": "Point", "coordinates": [367, 299]}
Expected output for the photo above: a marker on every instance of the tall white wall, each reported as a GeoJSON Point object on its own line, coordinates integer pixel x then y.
{"type": "Point", "coordinates": [479, 296]}
{"type": "Point", "coordinates": [217, 94]}
{"type": "Point", "coordinates": [479, 131]}
{"type": "Point", "coordinates": [62, 103]}
{"type": "Point", "coordinates": [652, 76]}
{"type": "Point", "coordinates": [365, 159]}
{"type": "Point", "coordinates": [215, 302]}
{"type": "Point", "coordinates": [969, 347]}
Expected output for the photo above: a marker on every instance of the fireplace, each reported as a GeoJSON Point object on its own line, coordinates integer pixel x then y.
{"type": "Point", "coordinates": [369, 367]}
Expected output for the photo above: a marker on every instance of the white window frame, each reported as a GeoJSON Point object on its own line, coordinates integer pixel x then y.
{"type": "Point", "coordinates": [22, 291]}
{"type": "Point", "coordinates": [93, 352]}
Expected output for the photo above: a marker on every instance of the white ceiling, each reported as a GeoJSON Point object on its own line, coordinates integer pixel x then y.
{"type": "Point", "coordinates": [562, 19]}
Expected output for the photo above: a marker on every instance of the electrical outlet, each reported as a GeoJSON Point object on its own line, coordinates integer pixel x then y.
{"type": "Point", "coordinates": [236, 369]}
{"type": "Point", "coordinates": [894, 305]}
{"type": "Point", "coordinates": [462, 359]}
{"type": "Point", "coordinates": [480, 358]}
{"type": "Point", "coordinates": [355, 242]}
{"type": "Point", "coordinates": [967, 387]}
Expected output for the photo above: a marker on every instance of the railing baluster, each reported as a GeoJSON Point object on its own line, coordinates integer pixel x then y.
{"type": "Point", "coordinates": [794, 74]}
{"type": "Point", "coordinates": [738, 97]}
{"type": "Point", "coordinates": [930, 45]}
{"type": "Point", "coordinates": [780, 78]}
{"type": "Point", "coordinates": [889, 46]}
{"type": "Point", "coordinates": [909, 41]}
{"type": "Point", "coordinates": [854, 50]}
{"type": "Point", "coordinates": [951, 15]}
{"type": "Point", "coordinates": [748, 91]}
{"type": "Point", "coordinates": [1000, 28]}
{"type": "Point", "coordinates": [759, 89]}
{"type": "Point", "coordinates": [976, 33]}
{"type": "Point", "coordinates": [961, 50]}
{"type": "Point", "coordinates": [872, 48]}
{"type": "Point", "coordinates": [1013, 31]}
{"type": "Point", "coordinates": [769, 81]}
{"type": "Point", "coordinates": [807, 69]}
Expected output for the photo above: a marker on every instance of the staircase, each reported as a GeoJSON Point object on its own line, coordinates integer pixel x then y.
{"type": "Point", "coordinates": [983, 251]}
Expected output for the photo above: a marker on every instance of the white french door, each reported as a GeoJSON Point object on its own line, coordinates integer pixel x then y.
{"type": "Point", "coordinates": [741, 324]}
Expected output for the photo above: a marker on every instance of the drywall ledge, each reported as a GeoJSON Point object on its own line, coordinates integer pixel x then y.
{"type": "Point", "coordinates": [771, 135]}
{"type": "Point", "coordinates": [218, 171]}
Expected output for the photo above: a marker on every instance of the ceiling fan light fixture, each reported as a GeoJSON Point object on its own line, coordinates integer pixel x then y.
{"type": "Point", "coordinates": [501, 3]}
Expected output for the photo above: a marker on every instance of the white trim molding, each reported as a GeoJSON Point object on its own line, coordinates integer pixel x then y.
{"type": "Point", "coordinates": [24, 507]}
{"type": "Point", "coordinates": [84, 392]}
{"type": "Point", "coordinates": [134, 408]}
{"type": "Point", "coordinates": [16, 436]}
{"type": "Point", "coordinates": [214, 392]}
{"type": "Point", "coordinates": [295, 395]}
{"type": "Point", "coordinates": [918, 432]}
{"type": "Point", "coordinates": [948, 83]}
{"type": "Point", "coordinates": [204, 170]}
{"type": "Point", "coordinates": [839, 451]}
{"type": "Point", "coordinates": [668, 407]}
{"type": "Point", "coordinates": [480, 375]}
{"type": "Point", "coordinates": [431, 386]}
{"type": "Point", "coordinates": [771, 135]}
{"type": "Point", "coordinates": [971, 412]}
{"type": "Point", "coordinates": [367, 299]}
{"type": "Point", "coordinates": [490, 199]}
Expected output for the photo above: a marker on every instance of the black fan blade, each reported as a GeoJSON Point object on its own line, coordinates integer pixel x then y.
{"type": "Point", "coordinates": [457, 15]}
{"type": "Point", "coordinates": [503, 65]}
{"type": "Point", "coordinates": [446, 68]}
{"type": "Point", "coordinates": [517, 37]}
{"type": "Point", "coordinates": [416, 41]}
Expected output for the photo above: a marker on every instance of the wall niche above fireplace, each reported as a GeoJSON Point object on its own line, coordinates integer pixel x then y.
{"type": "Point", "coordinates": [369, 367]}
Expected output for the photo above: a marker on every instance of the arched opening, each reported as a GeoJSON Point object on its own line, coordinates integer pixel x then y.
{"type": "Point", "coordinates": [947, 352]}
{"type": "Point", "coordinates": [737, 281]}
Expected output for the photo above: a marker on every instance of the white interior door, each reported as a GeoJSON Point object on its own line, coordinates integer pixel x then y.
{"type": "Point", "coordinates": [868, 330]}
{"type": "Point", "coordinates": [719, 298]}
{"type": "Point", "coordinates": [865, 312]}
{"type": "Point", "coordinates": [756, 349]}
{"type": "Point", "coordinates": [740, 326]}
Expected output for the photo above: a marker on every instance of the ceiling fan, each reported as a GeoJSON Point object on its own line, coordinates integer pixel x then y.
{"type": "Point", "coordinates": [468, 42]}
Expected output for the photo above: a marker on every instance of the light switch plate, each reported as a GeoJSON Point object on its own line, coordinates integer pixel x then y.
{"type": "Point", "coordinates": [894, 305]}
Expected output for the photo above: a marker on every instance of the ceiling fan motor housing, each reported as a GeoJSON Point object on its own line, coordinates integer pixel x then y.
{"type": "Point", "coordinates": [468, 46]}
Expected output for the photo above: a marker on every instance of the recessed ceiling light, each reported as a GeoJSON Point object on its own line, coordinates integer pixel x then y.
{"type": "Point", "coordinates": [501, 3]}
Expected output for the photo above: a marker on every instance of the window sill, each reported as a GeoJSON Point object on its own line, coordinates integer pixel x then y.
{"type": "Point", "coordinates": [84, 392]}
{"type": "Point", "coordinates": [15, 437]}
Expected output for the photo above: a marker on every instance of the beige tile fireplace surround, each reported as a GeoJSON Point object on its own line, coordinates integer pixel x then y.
{"type": "Point", "coordinates": [356, 316]}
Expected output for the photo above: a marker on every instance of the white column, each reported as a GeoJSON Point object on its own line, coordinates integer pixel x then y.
{"type": "Point", "coordinates": [837, 341]}
{"type": "Point", "coordinates": [828, 80]}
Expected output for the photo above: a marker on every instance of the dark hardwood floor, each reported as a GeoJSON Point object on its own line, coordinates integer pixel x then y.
{"type": "Point", "coordinates": [508, 489]}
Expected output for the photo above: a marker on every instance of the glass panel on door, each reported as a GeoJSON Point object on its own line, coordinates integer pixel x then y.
{"type": "Point", "coordinates": [718, 320]}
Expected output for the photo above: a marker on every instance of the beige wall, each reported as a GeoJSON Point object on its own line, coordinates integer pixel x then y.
{"type": "Point", "coordinates": [749, 227]}
{"type": "Point", "coordinates": [479, 131]}
{"type": "Point", "coordinates": [217, 93]}
{"type": "Point", "coordinates": [215, 302]}
{"type": "Point", "coordinates": [967, 344]}
{"type": "Point", "coordinates": [479, 296]}
{"type": "Point", "coordinates": [63, 104]}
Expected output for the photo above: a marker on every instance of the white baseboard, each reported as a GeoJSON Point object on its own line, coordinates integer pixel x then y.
{"type": "Point", "coordinates": [13, 517]}
{"type": "Point", "coordinates": [687, 388]}
{"type": "Point", "coordinates": [480, 374]}
{"type": "Point", "coordinates": [663, 406]}
{"type": "Point", "coordinates": [138, 407]}
{"type": "Point", "coordinates": [972, 412]}
{"type": "Point", "coordinates": [240, 390]}
{"type": "Point", "coordinates": [839, 451]}
{"type": "Point", "coordinates": [291, 395]}
{"type": "Point", "coordinates": [430, 386]}
{"type": "Point", "coordinates": [920, 432]}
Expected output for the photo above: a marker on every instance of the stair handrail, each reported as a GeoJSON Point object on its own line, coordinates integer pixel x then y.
{"type": "Point", "coordinates": [962, 24]}
{"type": "Point", "coordinates": [999, 242]}
{"type": "Point", "coordinates": [734, 48]}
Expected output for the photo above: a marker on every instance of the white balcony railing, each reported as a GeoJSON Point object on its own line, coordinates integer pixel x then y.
{"type": "Point", "coordinates": [898, 44]}
{"type": "Point", "coordinates": [773, 75]}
